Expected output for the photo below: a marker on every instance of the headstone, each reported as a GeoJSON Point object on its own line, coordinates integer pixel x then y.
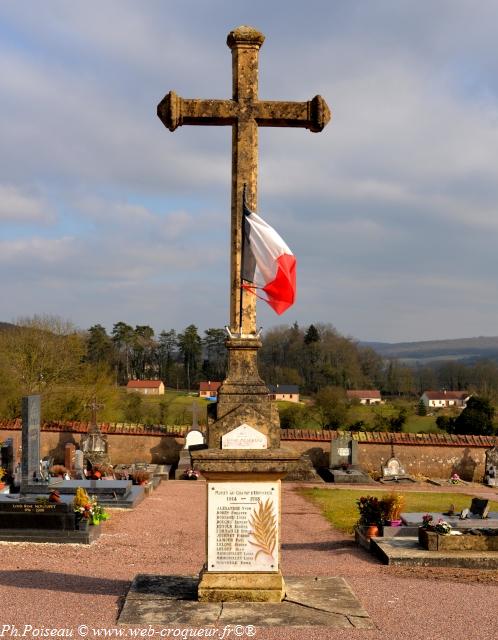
{"type": "Point", "coordinates": [479, 507]}
{"type": "Point", "coordinates": [194, 438]}
{"type": "Point", "coordinates": [7, 457]}
{"type": "Point", "coordinates": [79, 464]}
{"type": "Point", "coordinates": [343, 461]}
{"type": "Point", "coordinates": [30, 463]}
{"type": "Point", "coordinates": [94, 444]}
{"type": "Point", "coordinates": [491, 467]}
{"type": "Point", "coordinates": [69, 451]}
{"type": "Point", "coordinates": [343, 452]}
{"type": "Point", "coordinates": [244, 437]}
{"type": "Point", "coordinates": [393, 471]}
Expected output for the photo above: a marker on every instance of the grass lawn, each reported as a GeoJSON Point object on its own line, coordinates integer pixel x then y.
{"type": "Point", "coordinates": [339, 505]}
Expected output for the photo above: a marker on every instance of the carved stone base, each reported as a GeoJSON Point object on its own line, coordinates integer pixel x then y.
{"type": "Point", "coordinates": [243, 397]}
{"type": "Point", "coordinates": [240, 587]}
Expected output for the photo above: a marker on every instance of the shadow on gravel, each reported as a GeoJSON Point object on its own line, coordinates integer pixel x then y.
{"type": "Point", "coordinates": [35, 579]}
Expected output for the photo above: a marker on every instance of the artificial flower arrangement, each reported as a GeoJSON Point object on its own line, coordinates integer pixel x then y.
{"type": "Point", "coordinates": [455, 479]}
{"type": "Point", "coordinates": [2, 473]}
{"type": "Point", "coordinates": [191, 474]}
{"type": "Point", "coordinates": [89, 508]}
{"type": "Point", "coordinates": [140, 476]}
{"type": "Point", "coordinates": [441, 526]}
{"type": "Point", "coordinates": [392, 505]}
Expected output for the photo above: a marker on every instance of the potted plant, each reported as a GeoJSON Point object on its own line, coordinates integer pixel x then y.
{"type": "Point", "coordinates": [371, 511]}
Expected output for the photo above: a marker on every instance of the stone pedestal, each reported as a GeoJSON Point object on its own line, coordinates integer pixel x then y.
{"type": "Point", "coordinates": [243, 397]}
{"type": "Point", "coordinates": [243, 524]}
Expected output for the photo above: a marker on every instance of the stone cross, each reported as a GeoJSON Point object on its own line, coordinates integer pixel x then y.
{"type": "Point", "coordinates": [94, 406]}
{"type": "Point", "coordinates": [244, 113]}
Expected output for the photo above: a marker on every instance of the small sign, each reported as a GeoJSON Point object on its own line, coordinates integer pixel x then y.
{"type": "Point", "coordinates": [343, 451]}
{"type": "Point", "coordinates": [243, 526]}
{"type": "Point", "coordinates": [244, 437]}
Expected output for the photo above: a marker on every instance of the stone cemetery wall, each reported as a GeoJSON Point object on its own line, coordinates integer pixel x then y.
{"type": "Point", "coordinates": [431, 455]}
{"type": "Point", "coordinates": [127, 443]}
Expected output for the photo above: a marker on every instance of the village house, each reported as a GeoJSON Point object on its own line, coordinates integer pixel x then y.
{"type": "Point", "coordinates": [209, 389]}
{"type": "Point", "coordinates": [443, 399]}
{"type": "Point", "coordinates": [287, 392]}
{"type": "Point", "coordinates": [364, 396]}
{"type": "Point", "coordinates": [146, 387]}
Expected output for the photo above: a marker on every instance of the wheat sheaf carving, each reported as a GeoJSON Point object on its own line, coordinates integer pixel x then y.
{"type": "Point", "coordinates": [264, 528]}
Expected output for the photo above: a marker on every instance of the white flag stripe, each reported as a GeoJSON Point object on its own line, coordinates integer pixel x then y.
{"type": "Point", "coordinates": [267, 246]}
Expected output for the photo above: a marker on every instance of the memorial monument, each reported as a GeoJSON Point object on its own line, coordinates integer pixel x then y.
{"type": "Point", "coordinates": [94, 443]}
{"type": "Point", "coordinates": [244, 463]}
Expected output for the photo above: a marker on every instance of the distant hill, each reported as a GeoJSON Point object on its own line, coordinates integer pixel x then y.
{"type": "Point", "coordinates": [468, 350]}
{"type": "Point", "coordinates": [6, 325]}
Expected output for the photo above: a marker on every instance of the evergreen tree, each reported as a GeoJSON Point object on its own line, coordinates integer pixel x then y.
{"type": "Point", "coordinates": [476, 418]}
{"type": "Point", "coordinates": [421, 409]}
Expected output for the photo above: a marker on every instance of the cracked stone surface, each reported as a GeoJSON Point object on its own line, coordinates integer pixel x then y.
{"type": "Point", "coordinates": [310, 601]}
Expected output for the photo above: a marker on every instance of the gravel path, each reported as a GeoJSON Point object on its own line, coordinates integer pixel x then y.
{"type": "Point", "coordinates": [64, 586]}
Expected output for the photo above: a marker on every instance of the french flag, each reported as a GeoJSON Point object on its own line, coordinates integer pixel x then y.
{"type": "Point", "coordinates": [267, 263]}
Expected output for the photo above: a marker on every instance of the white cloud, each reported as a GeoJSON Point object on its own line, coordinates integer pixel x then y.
{"type": "Point", "coordinates": [393, 202]}
{"type": "Point", "coordinates": [19, 207]}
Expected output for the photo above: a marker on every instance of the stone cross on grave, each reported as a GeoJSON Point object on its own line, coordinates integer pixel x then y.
{"type": "Point", "coordinates": [244, 113]}
{"type": "Point", "coordinates": [94, 406]}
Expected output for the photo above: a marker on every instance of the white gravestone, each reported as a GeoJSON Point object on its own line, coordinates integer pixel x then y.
{"type": "Point", "coordinates": [194, 437]}
{"type": "Point", "coordinates": [243, 526]}
{"type": "Point", "coordinates": [244, 437]}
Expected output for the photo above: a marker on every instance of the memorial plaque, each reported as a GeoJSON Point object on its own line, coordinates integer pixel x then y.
{"type": "Point", "coordinates": [30, 463]}
{"type": "Point", "coordinates": [243, 526]}
{"type": "Point", "coordinates": [244, 437]}
{"type": "Point", "coordinates": [343, 452]}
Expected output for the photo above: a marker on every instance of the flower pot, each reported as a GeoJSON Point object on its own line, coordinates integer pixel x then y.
{"type": "Point", "coordinates": [371, 530]}
{"type": "Point", "coordinates": [395, 523]}
{"type": "Point", "coordinates": [2, 485]}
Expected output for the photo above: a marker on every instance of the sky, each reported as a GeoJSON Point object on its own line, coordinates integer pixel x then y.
{"type": "Point", "coordinates": [391, 211]}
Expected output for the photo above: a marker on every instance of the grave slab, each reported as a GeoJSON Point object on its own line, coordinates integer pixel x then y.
{"type": "Point", "coordinates": [407, 552]}
{"type": "Point", "coordinates": [121, 494]}
{"type": "Point", "coordinates": [310, 602]}
{"type": "Point", "coordinates": [414, 519]}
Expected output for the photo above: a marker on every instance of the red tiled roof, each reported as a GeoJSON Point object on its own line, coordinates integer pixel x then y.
{"type": "Point", "coordinates": [143, 384]}
{"type": "Point", "coordinates": [368, 393]}
{"type": "Point", "coordinates": [446, 395]}
{"type": "Point", "coordinates": [209, 386]}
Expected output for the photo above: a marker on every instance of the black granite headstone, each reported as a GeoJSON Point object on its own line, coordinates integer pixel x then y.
{"type": "Point", "coordinates": [30, 462]}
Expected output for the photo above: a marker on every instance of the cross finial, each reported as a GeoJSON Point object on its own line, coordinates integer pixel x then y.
{"type": "Point", "coordinates": [94, 406]}
{"type": "Point", "coordinates": [245, 113]}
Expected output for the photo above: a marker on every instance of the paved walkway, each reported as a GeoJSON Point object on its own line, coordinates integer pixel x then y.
{"type": "Point", "coordinates": [69, 585]}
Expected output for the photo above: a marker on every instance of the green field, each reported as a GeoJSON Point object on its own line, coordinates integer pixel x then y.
{"type": "Point", "coordinates": [172, 408]}
{"type": "Point", "coordinates": [339, 505]}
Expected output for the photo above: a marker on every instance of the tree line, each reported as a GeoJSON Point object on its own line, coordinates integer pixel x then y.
{"type": "Point", "coordinates": [180, 360]}
{"type": "Point", "coordinates": [69, 366]}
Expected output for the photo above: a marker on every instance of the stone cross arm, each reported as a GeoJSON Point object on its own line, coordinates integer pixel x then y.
{"type": "Point", "coordinates": [175, 111]}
